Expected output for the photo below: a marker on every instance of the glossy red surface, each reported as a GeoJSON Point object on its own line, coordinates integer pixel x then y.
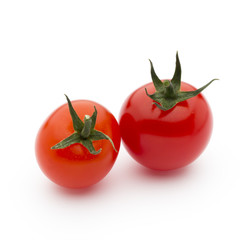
{"type": "Point", "coordinates": [165, 140]}
{"type": "Point", "coordinates": [74, 166]}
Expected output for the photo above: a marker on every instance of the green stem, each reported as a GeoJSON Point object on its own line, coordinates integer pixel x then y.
{"type": "Point", "coordinates": [84, 132]}
{"type": "Point", "coordinates": [169, 89]}
{"type": "Point", "coordinates": [168, 93]}
{"type": "Point", "coordinates": [87, 127]}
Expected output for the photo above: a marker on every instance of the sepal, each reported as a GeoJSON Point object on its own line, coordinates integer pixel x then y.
{"type": "Point", "coordinates": [84, 132]}
{"type": "Point", "coordinates": [168, 92]}
{"type": "Point", "coordinates": [74, 138]}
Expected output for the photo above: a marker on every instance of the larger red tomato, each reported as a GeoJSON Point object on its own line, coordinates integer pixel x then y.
{"type": "Point", "coordinates": [166, 124]}
{"type": "Point", "coordinates": [165, 140]}
{"type": "Point", "coordinates": [74, 166]}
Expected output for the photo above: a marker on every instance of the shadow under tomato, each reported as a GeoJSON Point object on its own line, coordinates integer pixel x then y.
{"type": "Point", "coordinates": [87, 191]}
{"type": "Point", "coordinates": [144, 172]}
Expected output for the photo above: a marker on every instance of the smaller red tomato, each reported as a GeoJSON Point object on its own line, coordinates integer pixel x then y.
{"type": "Point", "coordinates": [75, 153]}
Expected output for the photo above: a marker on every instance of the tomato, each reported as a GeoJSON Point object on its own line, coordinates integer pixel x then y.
{"type": "Point", "coordinates": [169, 134]}
{"type": "Point", "coordinates": [165, 140]}
{"type": "Point", "coordinates": [76, 165]}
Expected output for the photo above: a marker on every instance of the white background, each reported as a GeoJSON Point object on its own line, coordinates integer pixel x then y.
{"type": "Point", "coordinates": [99, 50]}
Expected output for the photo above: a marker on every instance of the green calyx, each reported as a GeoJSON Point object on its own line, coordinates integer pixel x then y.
{"type": "Point", "coordinates": [84, 132]}
{"type": "Point", "coordinates": [168, 92]}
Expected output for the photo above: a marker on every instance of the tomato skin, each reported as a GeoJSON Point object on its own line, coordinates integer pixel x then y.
{"type": "Point", "coordinates": [74, 166]}
{"type": "Point", "coordinates": [165, 140]}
